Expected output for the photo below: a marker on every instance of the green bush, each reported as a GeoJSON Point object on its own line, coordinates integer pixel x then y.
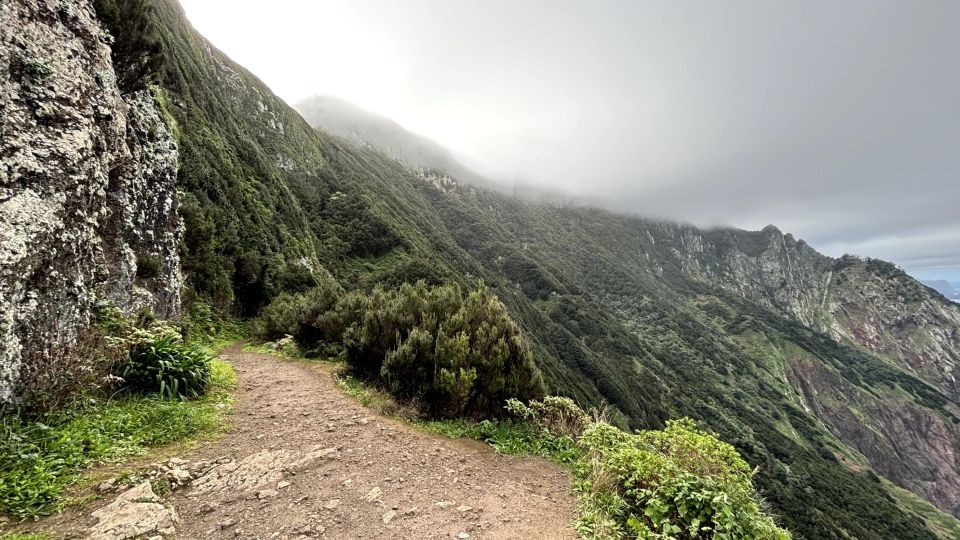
{"type": "Point", "coordinates": [457, 355]}
{"type": "Point", "coordinates": [676, 483]}
{"type": "Point", "coordinates": [310, 317]}
{"type": "Point", "coordinates": [557, 415]}
{"type": "Point", "coordinates": [202, 324]}
{"type": "Point", "coordinates": [157, 361]}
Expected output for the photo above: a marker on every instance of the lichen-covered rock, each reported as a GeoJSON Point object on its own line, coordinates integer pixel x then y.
{"type": "Point", "coordinates": [136, 513]}
{"type": "Point", "coordinates": [87, 196]}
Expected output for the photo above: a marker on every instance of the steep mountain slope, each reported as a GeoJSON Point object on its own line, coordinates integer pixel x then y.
{"type": "Point", "coordinates": [369, 130]}
{"type": "Point", "coordinates": [737, 329]}
{"type": "Point", "coordinates": [868, 303]}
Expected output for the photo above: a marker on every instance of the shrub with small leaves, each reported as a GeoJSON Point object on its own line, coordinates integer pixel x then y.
{"type": "Point", "coordinates": [678, 482]}
{"type": "Point", "coordinates": [460, 355]}
{"type": "Point", "coordinates": [309, 317]}
{"type": "Point", "coordinates": [557, 415]}
{"type": "Point", "coordinates": [157, 361]}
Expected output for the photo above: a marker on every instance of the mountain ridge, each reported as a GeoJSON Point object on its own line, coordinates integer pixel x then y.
{"type": "Point", "coordinates": [442, 230]}
{"type": "Point", "coordinates": [360, 126]}
{"type": "Point", "coordinates": [822, 383]}
{"type": "Point", "coordinates": [377, 132]}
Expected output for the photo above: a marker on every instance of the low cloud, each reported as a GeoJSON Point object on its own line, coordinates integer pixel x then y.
{"type": "Point", "coordinates": [839, 122]}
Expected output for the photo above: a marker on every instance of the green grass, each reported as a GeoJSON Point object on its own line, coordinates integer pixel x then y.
{"type": "Point", "coordinates": [505, 436]}
{"type": "Point", "coordinates": [367, 395]}
{"type": "Point", "coordinates": [25, 536]}
{"type": "Point", "coordinates": [39, 458]}
{"type": "Point", "coordinates": [290, 351]}
{"type": "Point", "coordinates": [509, 437]}
{"type": "Point", "coordinates": [943, 524]}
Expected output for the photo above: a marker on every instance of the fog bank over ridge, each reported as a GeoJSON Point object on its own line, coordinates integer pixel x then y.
{"type": "Point", "coordinates": [836, 122]}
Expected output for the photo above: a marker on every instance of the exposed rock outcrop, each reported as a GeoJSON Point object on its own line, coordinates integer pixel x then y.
{"type": "Point", "coordinates": [866, 302]}
{"type": "Point", "coordinates": [869, 304]}
{"type": "Point", "coordinates": [136, 513]}
{"type": "Point", "coordinates": [87, 195]}
{"type": "Point", "coordinates": [910, 445]}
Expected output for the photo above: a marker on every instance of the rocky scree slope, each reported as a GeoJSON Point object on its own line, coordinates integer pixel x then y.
{"type": "Point", "coordinates": [87, 188]}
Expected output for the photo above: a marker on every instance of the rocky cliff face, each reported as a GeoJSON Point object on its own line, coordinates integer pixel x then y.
{"type": "Point", "coordinates": [865, 302]}
{"type": "Point", "coordinates": [913, 446]}
{"type": "Point", "coordinates": [87, 197]}
{"type": "Point", "coordinates": [888, 312]}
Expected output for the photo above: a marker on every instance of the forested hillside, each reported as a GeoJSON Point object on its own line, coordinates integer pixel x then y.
{"type": "Point", "coordinates": [825, 374]}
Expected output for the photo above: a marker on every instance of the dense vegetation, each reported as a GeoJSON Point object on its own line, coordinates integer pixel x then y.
{"type": "Point", "coordinates": [274, 209]}
{"type": "Point", "coordinates": [454, 354]}
{"type": "Point", "coordinates": [678, 482]}
{"type": "Point", "coordinates": [157, 361]}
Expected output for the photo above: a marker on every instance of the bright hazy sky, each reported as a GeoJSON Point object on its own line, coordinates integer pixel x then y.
{"type": "Point", "coordinates": [838, 121]}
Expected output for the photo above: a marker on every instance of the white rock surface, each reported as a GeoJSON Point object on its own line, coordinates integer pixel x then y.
{"type": "Point", "coordinates": [136, 512]}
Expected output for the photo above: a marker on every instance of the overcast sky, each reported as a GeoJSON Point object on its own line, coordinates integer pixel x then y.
{"type": "Point", "coordinates": [838, 121]}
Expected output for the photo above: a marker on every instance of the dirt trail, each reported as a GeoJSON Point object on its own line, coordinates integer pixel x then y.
{"type": "Point", "coordinates": [303, 460]}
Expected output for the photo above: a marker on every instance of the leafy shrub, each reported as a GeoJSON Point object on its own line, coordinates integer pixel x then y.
{"type": "Point", "coordinates": [676, 483]}
{"type": "Point", "coordinates": [157, 361]}
{"type": "Point", "coordinates": [310, 317]}
{"type": "Point", "coordinates": [557, 415]}
{"type": "Point", "coordinates": [459, 355]}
